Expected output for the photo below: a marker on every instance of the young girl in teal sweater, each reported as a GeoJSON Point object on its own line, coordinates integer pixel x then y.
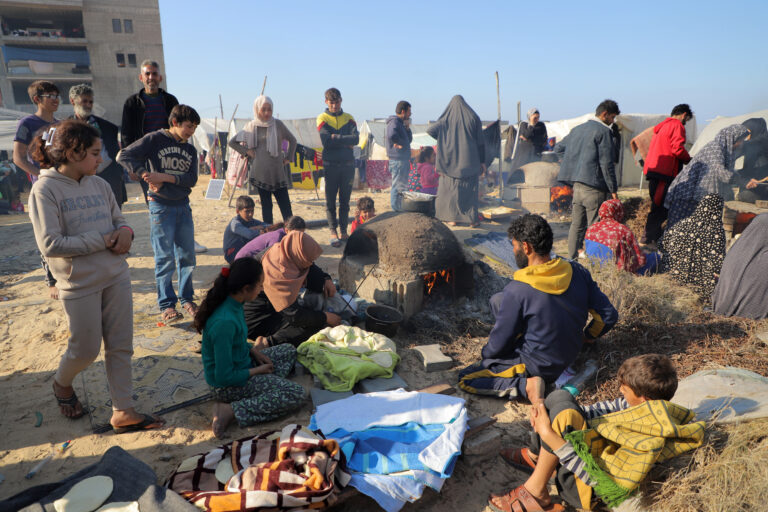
{"type": "Point", "coordinates": [249, 385]}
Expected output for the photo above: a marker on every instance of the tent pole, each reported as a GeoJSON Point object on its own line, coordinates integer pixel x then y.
{"type": "Point", "coordinates": [501, 159]}
{"type": "Point", "coordinates": [264, 85]}
{"type": "Point", "coordinates": [221, 107]}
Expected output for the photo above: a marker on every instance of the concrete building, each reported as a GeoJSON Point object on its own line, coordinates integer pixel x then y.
{"type": "Point", "coordinates": [100, 42]}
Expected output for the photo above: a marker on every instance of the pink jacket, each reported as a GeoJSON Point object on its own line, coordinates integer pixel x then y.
{"type": "Point", "coordinates": [429, 176]}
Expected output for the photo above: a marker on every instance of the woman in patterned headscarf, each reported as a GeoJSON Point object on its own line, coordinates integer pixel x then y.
{"type": "Point", "coordinates": [709, 172]}
{"type": "Point", "coordinates": [610, 239]}
{"type": "Point", "coordinates": [693, 250]}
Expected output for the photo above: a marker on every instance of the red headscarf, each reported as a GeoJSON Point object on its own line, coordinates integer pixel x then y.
{"type": "Point", "coordinates": [611, 233]}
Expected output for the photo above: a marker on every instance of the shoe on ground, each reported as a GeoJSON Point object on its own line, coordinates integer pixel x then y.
{"type": "Point", "coordinates": [200, 248]}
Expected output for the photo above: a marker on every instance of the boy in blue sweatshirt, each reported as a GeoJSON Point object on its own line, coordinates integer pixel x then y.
{"type": "Point", "coordinates": [168, 164]}
{"type": "Point", "coordinates": [540, 318]}
{"type": "Point", "coordinates": [241, 229]}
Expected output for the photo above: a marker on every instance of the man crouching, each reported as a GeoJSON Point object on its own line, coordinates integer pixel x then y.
{"type": "Point", "coordinates": [540, 318]}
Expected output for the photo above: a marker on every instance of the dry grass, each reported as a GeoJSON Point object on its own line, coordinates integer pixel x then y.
{"type": "Point", "coordinates": [728, 473]}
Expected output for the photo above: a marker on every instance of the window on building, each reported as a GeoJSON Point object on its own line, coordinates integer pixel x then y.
{"type": "Point", "coordinates": [120, 60]}
{"type": "Point", "coordinates": [128, 24]}
{"type": "Point", "coordinates": [116, 27]}
{"type": "Point", "coordinates": [131, 60]}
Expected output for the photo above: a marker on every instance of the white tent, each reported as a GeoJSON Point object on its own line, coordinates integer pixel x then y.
{"type": "Point", "coordinates": [376, 131]}
{"type": "Point", "coordinates": [305, 131]}
{"type": "Point", "coordinates": [204, 135]}
{"type": "Point", "coordinates": [9, 120]}
{"type": "Point", "coordinates": [628, 173]}
{"type": "Point", "coordinates": [720, 122]}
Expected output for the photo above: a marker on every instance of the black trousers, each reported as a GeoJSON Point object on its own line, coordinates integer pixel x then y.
{"type": "Point", "coordinates": [338, 180]}
{"type": "Point", "coordinates": [283, 202]}
{"type": "Point", "coordinates": [658, 213]}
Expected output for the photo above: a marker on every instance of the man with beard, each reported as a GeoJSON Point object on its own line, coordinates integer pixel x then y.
{"type": "Point", "coordinates": [81, 98]}
{"type": "Point", "coordinates": [540, 318]}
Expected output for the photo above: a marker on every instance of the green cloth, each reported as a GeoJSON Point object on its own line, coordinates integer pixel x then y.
{"type": "Point", "coordinates": [341, 356]}
{"type": "Point", "coordinates": [226, 351]}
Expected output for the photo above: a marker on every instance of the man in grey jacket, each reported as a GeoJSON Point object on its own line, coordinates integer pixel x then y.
{"type": "Point", "coordinates": [587, 164]}
{"type": "Point", "coordinates": [399, 139]}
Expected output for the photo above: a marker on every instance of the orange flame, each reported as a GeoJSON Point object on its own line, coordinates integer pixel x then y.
{"type": "Point", "coordinates": [432, 279]}
{"type": "Point", "coordinates": [556, 193]}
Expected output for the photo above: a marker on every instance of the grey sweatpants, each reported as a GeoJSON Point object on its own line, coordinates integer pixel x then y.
{"type": "Point", "coordinates": [108, 315]}
{"type": "Point", "coordinates": [586, 203]}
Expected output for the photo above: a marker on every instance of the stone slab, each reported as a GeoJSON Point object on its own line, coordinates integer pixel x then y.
{"type": "Point", "coordinates": [434, 360]}
{"type": "Point", "coordinates": [486, 442]}
{"type": "Point", "coordinates": [763, 336]}
{"type": "Point", "coordinates": [382, 384]}
{"type": "Point", "coordinates": [323, 396]}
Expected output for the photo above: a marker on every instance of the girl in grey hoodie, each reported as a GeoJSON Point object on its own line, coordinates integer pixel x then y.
{"type": "Point", "coordinates": [82, 234]}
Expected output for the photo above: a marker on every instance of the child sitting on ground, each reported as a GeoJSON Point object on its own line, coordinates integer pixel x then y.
{"type": "Point", "coordinates": [426, 168]}
{"type": "Point", "coordinates": [241, 229]}
{"type": "Point", "coordinates": [608, 447]}
{"type": "Point", "coordinates": [248, 384]}
{"type": "Point", "coordinates": [365, 211]}
{"type": "Point", "coordinates": [270, 236]}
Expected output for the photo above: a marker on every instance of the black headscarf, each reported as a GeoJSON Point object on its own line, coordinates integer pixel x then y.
{"type": "Point", "coordinates": [460, 142]}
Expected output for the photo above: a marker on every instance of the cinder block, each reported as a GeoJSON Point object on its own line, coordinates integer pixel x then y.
{"type": "Point", "coordinates": [434, 360]}
{"type": "Point", "coordinates": [382, 384]}
{"type": "Point", "coordinates": [486, 442]}
{"type": "Point", "coordinates": [322, 396]}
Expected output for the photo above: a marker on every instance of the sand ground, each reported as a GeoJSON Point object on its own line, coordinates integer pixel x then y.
{"type": "Point", "coordinates": [33, 336]}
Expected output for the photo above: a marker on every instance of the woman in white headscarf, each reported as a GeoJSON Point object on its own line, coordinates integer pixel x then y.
{"type": "Point", "coordinates": [261, 140]}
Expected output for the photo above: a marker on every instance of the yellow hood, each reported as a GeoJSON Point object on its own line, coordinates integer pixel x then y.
{"type": "Point", "coordinates": [553, 277]}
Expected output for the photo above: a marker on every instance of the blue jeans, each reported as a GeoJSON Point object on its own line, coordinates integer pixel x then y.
{"type": "Point", "coordinates": [172, 233]}
{"type": "Point", "coordinates": [399, 171]}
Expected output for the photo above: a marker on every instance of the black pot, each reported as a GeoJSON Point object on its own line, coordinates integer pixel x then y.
{"type": "Point", "coordinates": [382, 319]}
{"type": "Point", "coordinates": [427, 206]}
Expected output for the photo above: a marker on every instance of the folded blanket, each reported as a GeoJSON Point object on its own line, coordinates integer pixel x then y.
{"type": "Point", "coordinates": [341, 356]}
{"type": "Point", "coordinates": [287, 469]}
{"type": "Point", "coordinates": [620, 448]}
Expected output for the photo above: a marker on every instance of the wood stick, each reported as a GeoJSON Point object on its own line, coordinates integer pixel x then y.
{"type": "Point", "coordinates": [264, 85]}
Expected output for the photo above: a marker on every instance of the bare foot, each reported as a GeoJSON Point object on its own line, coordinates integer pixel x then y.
{"type": "Point", "coordinates": [452, 224]}
{"type": "Point", "coordinates": [72, 408]}
{"type": "Point", "coordinates": [222, 417]}
{"type": "Point", "coordinates": [53, 292]}
{"type": "Point", "coordinates": [130, 417]}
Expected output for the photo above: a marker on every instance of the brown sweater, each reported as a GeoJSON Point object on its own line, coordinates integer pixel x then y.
{"type": "Point", "coordinates": [267, 171]}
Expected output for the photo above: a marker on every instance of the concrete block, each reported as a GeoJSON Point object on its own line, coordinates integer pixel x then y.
{"type": "Point", "coordinates": [434, 360]}
{"type": "Point", "coordinates": [382, 384]}
{"type": "Point", "coordinates": [763, 336]}
{"type": "Point", "coordinates": [486, 442]}
{"type": "Point", "coordinates": [323, 396]}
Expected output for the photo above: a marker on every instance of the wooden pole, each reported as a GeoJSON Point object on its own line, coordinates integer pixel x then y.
{"type": "Point", "coordinates": [501, 158]}
{"type": "Point", "coordinates": [264, 85]}
{"type": "Point", "coordinates": [221, 108]}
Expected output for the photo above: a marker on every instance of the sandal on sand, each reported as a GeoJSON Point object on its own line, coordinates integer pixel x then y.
{"type": "Point", "coordinates": [171, 315]}
{"type": "Point", "coordinates": [520, 500]}
{"type": "Point", "coordinates": [145, 424]}
{"type": "Point", "coordinates": [191, 308]}
{"type": "Point", "coordinates": [335, 242]}
{"type": "Point", "coordinates": [70, 401]}
{"type": "Point", "coordinates": [519, 458]}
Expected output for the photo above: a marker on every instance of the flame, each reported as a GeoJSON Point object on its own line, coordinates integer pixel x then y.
{"type": "Point", "coordinates": [556, 193]}
{"type": "Point", "coordinates": [432, 279]}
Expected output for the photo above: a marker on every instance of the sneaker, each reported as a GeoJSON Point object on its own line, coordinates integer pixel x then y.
{"type": "Point", "coordinates": [200, 248]}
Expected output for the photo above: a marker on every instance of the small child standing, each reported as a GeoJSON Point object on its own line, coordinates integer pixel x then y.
{"type": "Point", "coordinates": [606, 449]}
{"type": "Point", "coordinates": [168, 164]}
{"type": "Point", "coordinates": [365, 211]}
{"type": "Point", "coordinates": [241, 229]}
{"type": "Point", "coordinates": [427, 172]}
{"type": "Point", "coordinates": [81, 232]}
{"type": "Point", "coordinates": [248, 384]}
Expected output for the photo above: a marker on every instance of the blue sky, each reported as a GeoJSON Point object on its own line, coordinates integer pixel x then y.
{"type": "Point", "coordinates": [562, 56]}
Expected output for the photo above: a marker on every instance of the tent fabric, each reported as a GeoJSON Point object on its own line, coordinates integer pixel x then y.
{"type": "Point", "coordinates": [79, 57]}
{"type": "Point", "coordinates": [9, 120]}
{"type": "Point", "coordinates": [717, 124]}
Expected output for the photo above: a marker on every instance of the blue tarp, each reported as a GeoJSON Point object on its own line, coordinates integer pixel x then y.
{"type": "Point", "coordinates": [79, 57]}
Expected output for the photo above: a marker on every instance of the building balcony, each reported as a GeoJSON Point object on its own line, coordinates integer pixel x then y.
{"type": "Point", "coordinates": [60, 4]}
{"type": "Point", "coordinates": [43, 40]}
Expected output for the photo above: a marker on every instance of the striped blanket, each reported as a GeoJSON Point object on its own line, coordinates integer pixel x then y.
{"type": "Point", "coordinates": [293, 468]}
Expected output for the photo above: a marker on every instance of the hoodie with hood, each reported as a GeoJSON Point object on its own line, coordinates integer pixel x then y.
{"type": "Point", "coordinates": [398, 133]}
{"type": "Point", "coordinates": [70, 219]}
{"type": "Point", "coordinates": [541, 319]}
{"type": "Point", "coordinates": [666, 154]}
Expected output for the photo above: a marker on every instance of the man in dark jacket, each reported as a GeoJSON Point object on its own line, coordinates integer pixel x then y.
{"type": "Point", "coordinates": [147, 110]}
{"type": "Point", "coordinates": [540, 318]}
{"type": "Point", "coordinates": [81, 98]}
{"type": "Point", "coordinates": [587, 163]}
{"type": "Point", "coordinates": [666, 157]}
{"type": "Point", "coordinates": [398, 142]}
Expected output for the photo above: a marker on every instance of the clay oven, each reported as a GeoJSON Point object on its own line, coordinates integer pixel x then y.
{"type": "Point", "coordinates": [539, 192]}
{"type": "Point", "coordinates": [401, 259]}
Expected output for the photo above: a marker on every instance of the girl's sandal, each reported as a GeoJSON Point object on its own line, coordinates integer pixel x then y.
{"type": "Point", "coordinates": [191, 308]}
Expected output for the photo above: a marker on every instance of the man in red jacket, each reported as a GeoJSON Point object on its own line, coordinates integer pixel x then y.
{"type": "Point", "coordinates": [666, 157]}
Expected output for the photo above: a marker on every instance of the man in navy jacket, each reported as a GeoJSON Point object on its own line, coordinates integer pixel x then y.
{"type": "Point", "coordinates": [540, 318]}
{"type": "Point", "coordinates": [398, 142]}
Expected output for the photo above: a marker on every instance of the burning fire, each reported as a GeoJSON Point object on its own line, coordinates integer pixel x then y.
{"type": "Point", "coordinates": [561, 197]}
{"type": "Point", "coordinates": [431, 280]}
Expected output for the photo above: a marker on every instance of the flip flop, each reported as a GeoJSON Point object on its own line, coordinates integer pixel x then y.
{"type": "Point", "coordinates": [171, 315]}
{"type": "Point", "coordinates": [335, 242]}
{"type": "Point", "coordinates": [519, 458]}
{"type": "Point", "coordinates": [144, 424]}
{"type": "Point", "coordinates": [520, 500]}
{"type": "Point", "coordinates": [70, 401]}
{"type": "Point", "coordinates": [191, 308]}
